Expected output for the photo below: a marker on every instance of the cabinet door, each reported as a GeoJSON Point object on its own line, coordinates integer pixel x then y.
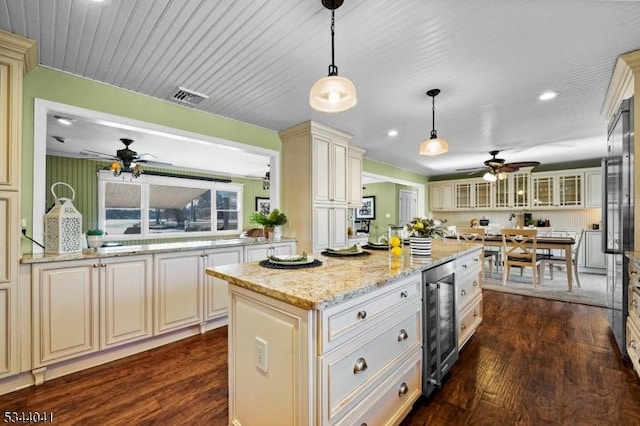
{"type": "Point", "coordinates": [594, 258]}
{"type": "Point", "coordinates": [216, 290]}
{"type": "Point", "coordinates": [11, 71]}
{"type": "Point", "coordinates": [521, 191]}
{"type": "Point", "coordinates": [254, 253]}
{"type": "Point", "coordinates": [339, 226]}
{"type": "Point", "coordinates": [321, 165]}
{"type": "Point", "coordinates": [125, 303]}
{"type": "Point", "coordinates": [483, 194]}
{"type": "Point", "coordinates": [355, 177]}
{"type": "Point", "coordinates": [463, 198]}
{"type": "Point", "coordinates": [178, 290]}
{"type": "Point", "coordinates": [8, 332]}
{"type": "Point", "coordinates": [593, 189]}
{"type": "Point", "coordinates": [543, 191]}
{"type": "Point", "coordinates": [284, 249]}
{"type": "Point", "coordinates": [570, 191]}
{"type": "Point", "coordinates": [65, 310]}
{"type": "Point", "coordinates": [329, 227]}
{"type": "Point", "coordinates": [338, 173]}
{"type": "Point", "coordinates": [502, 194]}
{"type": "Point", "coordinates": [9, 237]}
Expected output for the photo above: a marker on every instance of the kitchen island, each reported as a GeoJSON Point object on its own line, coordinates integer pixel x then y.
{"type": "Point", "coordinates": [340, 343]}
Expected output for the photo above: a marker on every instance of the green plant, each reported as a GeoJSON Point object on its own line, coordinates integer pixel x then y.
{"type": "Point", "coordinates": [95, 232]}
{"type": "Point", "coordinates": [423, 227]}
{"type": "Point", "coordinates": [275, 218]}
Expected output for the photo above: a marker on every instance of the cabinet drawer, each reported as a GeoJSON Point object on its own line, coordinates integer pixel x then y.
{"type": "Point", "coordinates": [468, 286]}
{"type": "Point", "coordinates": [469, 319]}
{"type": "Point", "coordinates": [390, 402]}
{"type": "Point", "coordinates": [469, 262]}
{"type": "Point", "coordinates": [346, 373]}
{"type": "Point", "coordinates": [634, 303]}
{"type": "Point", "coordinates": [349, 320]}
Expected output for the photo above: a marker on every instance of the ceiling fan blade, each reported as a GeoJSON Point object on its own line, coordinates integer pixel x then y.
{"type": "Point", "coordinates": [146, 157]}
{"type": "Point", "coordinates": [88, 152]}
{"type": "Point", "coordinates": [154, 163]}
{"type": "Point", "coordinates": [475, 169]}
{"type": "Point", "coordinates": [508, 168]}
{"type": "Point", "coordinates": [519, 164]}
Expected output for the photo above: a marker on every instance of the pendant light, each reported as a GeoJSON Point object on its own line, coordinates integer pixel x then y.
{"type": "Point", "coordinates": [434, 145]}
{"type": "Point", "coordinates": [332, 93]}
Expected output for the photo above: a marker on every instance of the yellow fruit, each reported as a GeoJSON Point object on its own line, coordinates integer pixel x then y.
{"type": "Point", "coordinates": [396, 251]}
{"type": "Point", "coordinates": [395, 241]}
{"type": "Point", "coordinates": [419, 225]}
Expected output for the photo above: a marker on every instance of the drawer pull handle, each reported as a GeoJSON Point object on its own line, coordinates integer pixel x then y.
{"type": "Point", "coordinates": [475, 314]}
{"type": "Point", "coordinates": [476, 259]}
{"type": "Point", "coordinates": [462, 292]}
{"type": "Point", "coordinates": [404, 293]}
{"type": "Point", "coordinates": [360, 366]}
{"type": "Point", "coordinates": [362, 314]}
{"type": "Point", "coordinates": [462, 326]}
{"type": "Point", "coordinates": [464, 265]}
{"type": "Point", "coordinates": [403, 335]}
{"type": "Point", "coordinates": [633, 344]}
{"type": "Point", "coordinates": [475, 283]}
{"type": "Point", "coordinates": [403, 389]}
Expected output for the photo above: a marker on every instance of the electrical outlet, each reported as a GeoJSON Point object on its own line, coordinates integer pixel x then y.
{"type": "Point", "coordinates": [261, 354]}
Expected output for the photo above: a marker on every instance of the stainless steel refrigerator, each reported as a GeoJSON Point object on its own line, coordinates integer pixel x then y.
{"type": "Point", "coordinates": [617, 217]}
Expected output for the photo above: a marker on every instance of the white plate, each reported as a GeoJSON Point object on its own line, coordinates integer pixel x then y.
{"type": "Point", "coordinates": [291, 256]}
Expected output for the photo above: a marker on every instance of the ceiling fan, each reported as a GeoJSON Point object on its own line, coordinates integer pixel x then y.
{"type": "Point", "coordinates": [125, 159]}
{"type": "Point", "coordinates": [496, 168]}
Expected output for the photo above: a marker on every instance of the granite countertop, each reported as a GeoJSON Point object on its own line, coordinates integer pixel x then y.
{"type": "Point", "coordinates": [337, 279]}
{"type": "Point", "coordinates": [149, 249]}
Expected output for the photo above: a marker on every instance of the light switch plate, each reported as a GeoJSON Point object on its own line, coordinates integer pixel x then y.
{"type": "Point", "coordinates": [261, 354]}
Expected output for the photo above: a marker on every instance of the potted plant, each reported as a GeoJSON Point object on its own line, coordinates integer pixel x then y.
{"type": "Point", "coordinates": [94, 238]}
{"type": "Point", "coordinates": [268, 220]}
{"type": "Point", "coordinates": [421, 231]}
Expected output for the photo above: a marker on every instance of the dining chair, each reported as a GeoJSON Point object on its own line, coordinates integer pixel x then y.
{"type": "Point", "coordinates": [561, 259]}
{"type": "Point", "coordinates": [477, 235]}
{"type": "Point", "coordinates": [519, 249]}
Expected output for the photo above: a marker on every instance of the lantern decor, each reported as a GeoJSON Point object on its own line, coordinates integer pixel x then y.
{"type": "Point", "coordinates": [63, 225]}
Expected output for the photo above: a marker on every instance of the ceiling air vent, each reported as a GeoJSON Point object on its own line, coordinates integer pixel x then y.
{"type": "Point", "coordinates": [188, 97]}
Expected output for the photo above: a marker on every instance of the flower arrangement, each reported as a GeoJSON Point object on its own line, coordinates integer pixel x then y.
{"type": "Point", "coordinates": [423, 227]}
{"type": "Point", "coordinates": [95, 232]}
{"type": "Point", "coordinates": [275, 218]}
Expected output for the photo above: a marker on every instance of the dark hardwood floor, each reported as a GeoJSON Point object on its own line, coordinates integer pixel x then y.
{"type": "Point", "coordinates": [532, 362]}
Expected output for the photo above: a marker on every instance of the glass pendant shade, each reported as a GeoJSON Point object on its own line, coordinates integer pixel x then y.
{"type": "Point", "coordinates": [435, 146]}
{"type": "Point", "coordinates": [333, 94]}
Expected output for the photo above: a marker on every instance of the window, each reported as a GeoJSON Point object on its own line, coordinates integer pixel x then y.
{"type": "Point", "coordinates": [159, 207]}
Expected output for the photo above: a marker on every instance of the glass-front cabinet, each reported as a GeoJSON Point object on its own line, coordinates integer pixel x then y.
{"type": "Point", "coordinates": [502, 193]}
{"type": "Point", "coordinates": [543, 191]}
{"type": "Point", "coordinates": [570, 190]}
{"type": "Point", "coordinates": [464, 198]}
{"type": "Point", "coordinates": [558, 190]}
{"type": "Point", "coordinates": [520, 183]}
{"type": "Point", "coordinates": [482, 192]}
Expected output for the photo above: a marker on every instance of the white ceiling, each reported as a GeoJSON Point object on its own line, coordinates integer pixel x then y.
{"type": "Point", "coordinates": [257, 59]}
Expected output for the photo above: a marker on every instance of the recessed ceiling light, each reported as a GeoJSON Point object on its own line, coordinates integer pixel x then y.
{"type": "Point", "coordinates": [547, 95]}
{"type": "Point", "coordinates": [392, 133]}
{"type": "Point", "coordinates": [64, 120]}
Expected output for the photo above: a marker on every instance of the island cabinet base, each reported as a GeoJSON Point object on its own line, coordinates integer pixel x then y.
{"type": "Point", "coordinates": [358, 362]}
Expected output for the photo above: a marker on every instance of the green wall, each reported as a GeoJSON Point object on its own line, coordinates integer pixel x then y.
{"type": "Point", "coordinates": [387, 195]}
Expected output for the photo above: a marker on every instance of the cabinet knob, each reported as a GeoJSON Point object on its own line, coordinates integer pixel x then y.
{"type": "Point", "coordinates": [403, 389]}
{"type": "Point", "coordinates": [360, 366]}
{"type": "Point", "coordinates": [476, 259]}
{"type": "Point", "coordinates": [463, 326]}
{"type": "Point", "coordinates": [95, 265]}
{"type": "Point", "coordinates": [475, 283]}
{"type": "Point", "coordinates": [404, 294]}
{"type": "Point", "coordinates": [475, 314]}
{"type": "Point", "coordinates": [633, 344]}
{"type": "Point", "coordinates": [103, 265]}
{"type": "Point", "coordinates": [464, 265]}
{"type": "Point", "coordinates": [634, 303]}
{"type": "Point", "coordinates": [403, 335]}
{"type": "Point", "coordinates": [463, 292]}
{"type": "Point", "coordinates": [362, 314]}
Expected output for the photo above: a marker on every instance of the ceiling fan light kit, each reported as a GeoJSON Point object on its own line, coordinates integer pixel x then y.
{"type": "Point", "coordinates": [434, 145]}
{"type": "Point", "coordinates": [497, 169]}
{"type": "Point", "coordinates": [333, 93]}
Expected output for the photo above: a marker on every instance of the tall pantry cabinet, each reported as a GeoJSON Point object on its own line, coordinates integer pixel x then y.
{"type": "Point", "coordinates": [17, 56]}
{"type": "Point", "coordinates": [320, 183]}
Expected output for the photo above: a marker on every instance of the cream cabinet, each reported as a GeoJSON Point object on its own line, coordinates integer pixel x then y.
{"type": "Point", "coordinates": [464, 195]}
{"type": "Point", "coordinates": [329, 227]}
{"type": "Point", "coordinates": [358, 362]}
{"type": "Point", "coordinates": [355, 176]}
{"type": "Point", "coordinates": [321, 178]}
{"type": "Point", "coordinates": [17, 57]}
{"type": "Point", "coordinates": [263, 251]}
{"type": "Point", "coordinates": [564, 189]}
{"type": "Point", "coordinates": [178, 290]}
{"type": "Point", "coordinates": [468, 285]}
{"type": "Point", "coordinates": [441, 196]}
{"type": "Point", "coordinates": [216, 291]}
{"type": "Point", "coordinates": [593, 255]}
{"type": "Point", "coordinates": [83, 306]}
{"type": "Point", "coordinates": [593, 188]}
{"type": "Point", "coordinates": [633, 318]}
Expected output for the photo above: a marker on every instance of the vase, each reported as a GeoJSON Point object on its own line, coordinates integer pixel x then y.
{"type": "Point", "coordinates": [268, 231]}
{"type": "Point", "coordinates": [420, 246]}
{"type": "Point", "coordinates": [94, 241]}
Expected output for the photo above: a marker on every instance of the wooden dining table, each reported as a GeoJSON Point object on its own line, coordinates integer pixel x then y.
{"type": "Point", "coordinates": [543, 243]}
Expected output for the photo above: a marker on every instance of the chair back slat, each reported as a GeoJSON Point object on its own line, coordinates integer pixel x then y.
{"type": "Point", "coordinates": [471, 234]}
{"type": "Point", "coordinates": [519, 243]}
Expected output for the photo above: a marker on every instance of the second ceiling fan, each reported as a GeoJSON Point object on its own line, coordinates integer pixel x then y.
{"type": "Point", "coordinates": [496, 168]}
